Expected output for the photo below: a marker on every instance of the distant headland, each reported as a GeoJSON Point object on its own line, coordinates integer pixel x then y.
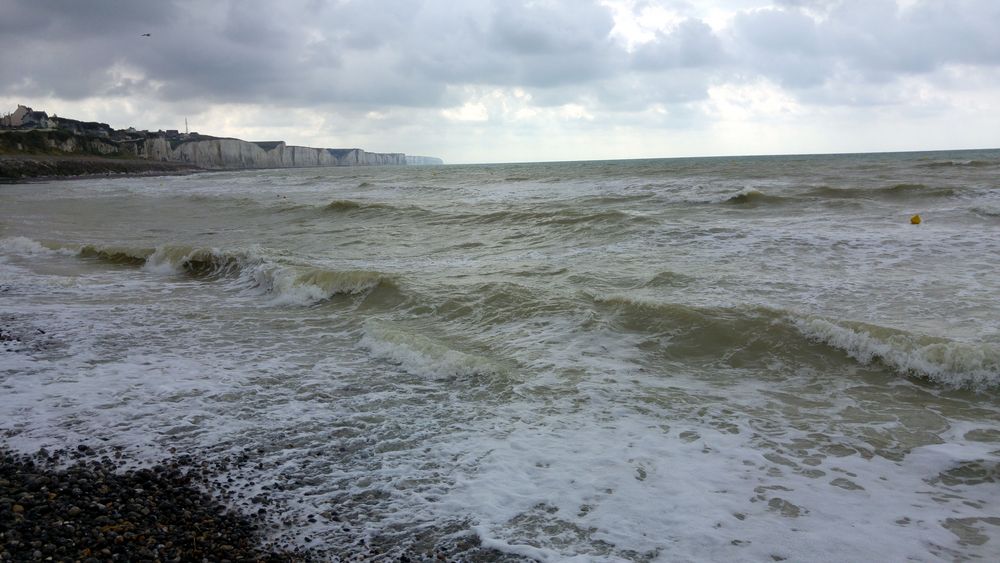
{"type": "Point", "coordinates": [32, 143]}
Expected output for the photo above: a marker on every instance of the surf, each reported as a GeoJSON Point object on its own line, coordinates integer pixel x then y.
{"type": "Point", "coordinates": [742, 335]}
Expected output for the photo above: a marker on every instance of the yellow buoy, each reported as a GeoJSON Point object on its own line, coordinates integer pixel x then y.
{"type": "Point", "coordinates": [915, 220]}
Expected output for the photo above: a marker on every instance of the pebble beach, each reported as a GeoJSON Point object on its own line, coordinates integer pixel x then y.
{"type": "Point", "coordinates": [81, 505]}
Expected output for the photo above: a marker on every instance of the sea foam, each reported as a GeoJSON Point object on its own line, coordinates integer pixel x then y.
{"type": "Point", "coordinates": [956, 364]}
{"type": "Point", "coordinates": [27, 246]}
{"type": "Point", "coordinates": [306, 286]}
{"type": "Point", "coordinates": [422, 355]}
{"type": "Point", "coordinates": [285, 284]}
{"type": "Point", "coordinates": [22, 245]}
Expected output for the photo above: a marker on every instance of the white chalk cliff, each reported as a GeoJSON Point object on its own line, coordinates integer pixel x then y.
{"type": "Point", "coordinates": [235, 153]}
{"type": "Point", "coordinates": [423, 160]}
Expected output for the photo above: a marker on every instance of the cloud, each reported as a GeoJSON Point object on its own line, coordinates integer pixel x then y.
{"type": "Point", "coordinates": [526, 65]}
{"type": "Point", "coordinates": [307, 52]}
{"type": "Point", "coordinates": [409, 53]}
{"type": "Point", "coordinates": [870, 42]}
{"type": "Point", "coordinates": [691, 43]}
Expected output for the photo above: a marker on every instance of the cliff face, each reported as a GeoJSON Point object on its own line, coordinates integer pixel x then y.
{"type": "Point", "coordinates": [423, 160]}
{"type": "Point", "coordinates": [234, 153]}
{"type": "Point", "coordinates": [197, 150]}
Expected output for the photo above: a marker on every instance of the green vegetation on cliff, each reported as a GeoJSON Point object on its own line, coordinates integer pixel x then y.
{"type": "Point", "coordinates": [18, 167]}
{"type": "Point", "coordinates": [56, 142]}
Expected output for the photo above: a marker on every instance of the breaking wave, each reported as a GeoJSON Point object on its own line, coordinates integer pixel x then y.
{"type": "Point", "coordinates": [283, 283]}
{"type": "Point", "coordinates": [313, 285]}
{"type": "Point", "coordinates": [955, 364]}
{"type": "Point", "coordinates": [422, 355]}
{"type": "Point", "coordinates": [746, 196]}
{"type": "Point", "coordinates": [200, 262]}
{"type": "Point", "coordinates": [751, 196]}
{"type": "Point", "coordinates": [25, 245]}
{"type": "Point", "coordinates": [751, 334]}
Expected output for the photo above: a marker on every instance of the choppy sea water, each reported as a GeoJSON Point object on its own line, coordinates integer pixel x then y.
{"type": "Point", "coordinates": [687, 359]}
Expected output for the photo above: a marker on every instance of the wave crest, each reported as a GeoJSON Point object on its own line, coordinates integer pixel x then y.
{"type": "Point", "coordinates": [25, 245]}
{"type": "Point", "coordinates": [201, 262]}
{"type": "Point", "coordinates": [752, 196]}
{"type": "Point", "coordinates": [748, 334]}
{"type": "Point", "coordinates": [421, 355]}
{"type": "Point", "coordinates": [284, 283]}
{"type": "Point", "coordinates": [956, 364]}
{"type": "Point", "coordinates": [313, 285]}
{"type": "Point", "coordinates": [116, 254]}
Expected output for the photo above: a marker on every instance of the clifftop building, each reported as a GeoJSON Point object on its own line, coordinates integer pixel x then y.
{"type": "Point", "coordinates": [24, 116]}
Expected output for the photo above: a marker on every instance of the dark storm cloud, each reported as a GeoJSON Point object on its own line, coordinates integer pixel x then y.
{"type": "Point", "coordinates": [214, 51]}
{"type": "Point", "coordinates": [68, 20]}
{"type": "Point", "coordinates": [414, 53]}
{"type": "Point", "coordinates": [304, 52]}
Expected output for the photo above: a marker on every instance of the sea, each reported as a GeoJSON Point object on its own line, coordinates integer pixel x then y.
{"type": "Point", "coordinates": [694, 359]}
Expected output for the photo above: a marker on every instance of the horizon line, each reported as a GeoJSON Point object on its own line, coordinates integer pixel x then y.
{"type": "Point", "coordinates": [710, 156]}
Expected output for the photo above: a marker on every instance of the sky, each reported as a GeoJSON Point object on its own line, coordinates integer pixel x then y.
{"type": "Point", "coordinates": [521, 80]}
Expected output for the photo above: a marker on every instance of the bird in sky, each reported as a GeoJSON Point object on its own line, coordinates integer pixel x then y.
{"type": "Point", "coordinates": [145, 35]}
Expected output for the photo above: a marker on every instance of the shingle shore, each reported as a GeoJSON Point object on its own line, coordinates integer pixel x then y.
{"type": "Point", "coordinates": [91, 511]}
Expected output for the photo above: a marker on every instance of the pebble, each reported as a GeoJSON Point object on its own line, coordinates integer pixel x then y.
{"type": "Point", "coordinates": [88, 511]}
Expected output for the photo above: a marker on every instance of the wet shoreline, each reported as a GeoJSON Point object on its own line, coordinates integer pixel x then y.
{"type": "Point", "coordinates": [82, 504]}
{"type": "Point", "coordinates": [92, 504]}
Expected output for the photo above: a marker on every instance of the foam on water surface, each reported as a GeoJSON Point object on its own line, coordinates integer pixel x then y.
{"type": "Point", "coordinates": [948, 362]}
{"type": "Point", "coordinates": [689, 493]}
{"type": "Point", "coordinates": [423, 355]}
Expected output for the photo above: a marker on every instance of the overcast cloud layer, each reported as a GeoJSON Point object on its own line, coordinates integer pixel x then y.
{"type": "Point", "coordinates": [478, 81]}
